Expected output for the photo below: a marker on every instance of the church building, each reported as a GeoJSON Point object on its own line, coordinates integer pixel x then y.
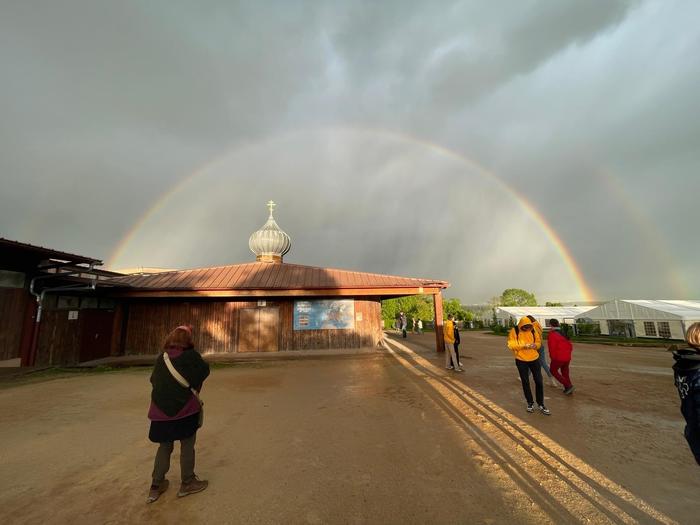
{"type": "Point", "coordinates": [262, 306]}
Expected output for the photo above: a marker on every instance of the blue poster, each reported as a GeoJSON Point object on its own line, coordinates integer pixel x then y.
{"type": "Point", "coordinates": [324, 314]}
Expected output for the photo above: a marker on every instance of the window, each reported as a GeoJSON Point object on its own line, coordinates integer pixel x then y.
{"type": "Point", "coordinates": [664, 329]}
{"type": "Point", "coordinates": [649, 329]}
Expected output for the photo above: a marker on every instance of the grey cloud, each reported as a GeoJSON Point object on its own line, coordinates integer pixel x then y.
{"type": "Point", "coordinates": [107, 106]}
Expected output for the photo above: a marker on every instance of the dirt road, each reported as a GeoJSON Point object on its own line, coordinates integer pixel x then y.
{"type": "Point", "coordinates": [391, 438]}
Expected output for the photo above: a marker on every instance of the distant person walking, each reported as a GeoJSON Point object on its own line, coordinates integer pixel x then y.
{"type": "Point", "coordinates": [176, 410]}
{"type": "Point", "coordinates": [414, 327]}
{"type": "Point", "coordinates": [560, 349]}
{"type": "Point", "coordinates": [404, 324]}
{"type": "Point", "coordinates": [542, 351]}
{"type": "Point", "coordinates": [686, 371]}
{"type": "Point", "coordinates": [457, 342]}
{"type": "Point", "coordinates": [451, 361]}
{"type": "Point", "coordinates": [523, 341]}
{"type": "Point", "coordinates": [420, 326]}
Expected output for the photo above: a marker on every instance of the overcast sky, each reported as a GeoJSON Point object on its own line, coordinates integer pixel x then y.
{"type": "Point", "coordinates": [411, 138]}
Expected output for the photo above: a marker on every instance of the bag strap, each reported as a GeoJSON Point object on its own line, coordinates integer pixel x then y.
{"type": "Point", "coordinates": [178, 377]}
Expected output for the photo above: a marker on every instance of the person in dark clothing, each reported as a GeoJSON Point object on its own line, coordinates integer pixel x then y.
{"type": "Point", "coordinates": [175, 411]}
{"type": "Point", "coordinates": [458, 364]}
{"type": "Point", "coordinates": [686, 372]}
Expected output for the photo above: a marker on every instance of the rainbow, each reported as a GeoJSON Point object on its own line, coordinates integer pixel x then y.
{"type": "Point", "coordinates": [648, 228]}
{"type": "Point", "coordinates": [563, 251]}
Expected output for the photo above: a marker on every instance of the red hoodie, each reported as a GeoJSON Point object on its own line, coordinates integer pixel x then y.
{"type": "Point", "coordinates": [559, 347]}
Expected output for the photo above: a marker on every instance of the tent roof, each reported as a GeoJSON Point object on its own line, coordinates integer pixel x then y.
{"type": "Point", "coordinates": [545, 311]}
{"type": "Point", "coordinates": [689, 310]}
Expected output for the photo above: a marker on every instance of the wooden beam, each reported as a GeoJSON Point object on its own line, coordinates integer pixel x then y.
{"type": "Point", "coordinates": [437, 309]}
{"type": "Point", "coordinates": [328, 292]}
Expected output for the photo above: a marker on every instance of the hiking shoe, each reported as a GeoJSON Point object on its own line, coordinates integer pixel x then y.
{"type": "Point", "coordinates": [157, 490]}
{"type": "Point", "coordinates": [192, 487]}
{"type": "Point", "coordinates": [460, 369]}
{"type": "Point", "coordinates": [545, 410]}
{"type": "Point", "coordinates": [449, 368]}
{"type": "Point", "coordinates": [569, 390]}
{"type": "Point", "coordinates": [530, 407]}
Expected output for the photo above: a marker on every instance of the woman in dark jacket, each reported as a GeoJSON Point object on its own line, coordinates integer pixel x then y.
{"type": "Point", "coordinates": [175, 411]}
{"type": "Point", "coordinates": [686, 371]}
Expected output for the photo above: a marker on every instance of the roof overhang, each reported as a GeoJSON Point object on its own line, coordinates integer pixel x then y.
{"type": "Point", "coordinates": [239, 294]}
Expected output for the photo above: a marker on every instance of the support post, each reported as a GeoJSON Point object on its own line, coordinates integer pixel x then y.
{"type": "Point", "coordinates": [437, 310]}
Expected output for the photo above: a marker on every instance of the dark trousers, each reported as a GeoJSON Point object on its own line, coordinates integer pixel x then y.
{"type": "Point", "coordinates": [162, 462]}
{"type": "Point", "coordinates": [524, 369]}
{"type": "Point", "coordinates": [560, 370]}
{"type": "Point", "coordinates": [456, 354]}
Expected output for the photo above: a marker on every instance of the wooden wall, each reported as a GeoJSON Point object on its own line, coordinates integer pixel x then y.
{"type": "Point", "coordinates": [59, 339]}
{"type": "Point", "coordinates": [216, 326]}
{"type": "Point", "coordinates": [13, 305]}
{"type": "Point", "coordinates": [215, 323]}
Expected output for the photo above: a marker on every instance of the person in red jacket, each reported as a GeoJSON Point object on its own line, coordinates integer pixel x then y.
{"type": "Point", "coordinates": [560, 349]}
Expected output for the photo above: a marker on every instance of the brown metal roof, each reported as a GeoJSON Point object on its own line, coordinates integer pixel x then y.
{"type": "Point", "coordinates": [268, 276]}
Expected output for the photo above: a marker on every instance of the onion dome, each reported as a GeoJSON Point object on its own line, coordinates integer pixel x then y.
{"type": "Point", "coordinates": [269, 243]}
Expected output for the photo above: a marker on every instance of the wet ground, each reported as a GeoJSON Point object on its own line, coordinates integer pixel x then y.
{"type": "Point", "coordinates": [385, 438]}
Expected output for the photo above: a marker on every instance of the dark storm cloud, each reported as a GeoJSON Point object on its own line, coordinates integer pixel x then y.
{"type": "Point", "coordinates": [105, 106]}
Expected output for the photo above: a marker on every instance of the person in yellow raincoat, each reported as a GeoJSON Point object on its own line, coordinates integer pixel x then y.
{"type": "Point", "coordinates": [451, 362]}
{"type": "Point", "coordinates": [524, 341]}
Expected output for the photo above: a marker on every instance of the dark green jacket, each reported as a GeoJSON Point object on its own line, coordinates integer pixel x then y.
{"type": "Point", "coordinates": [167, 393]}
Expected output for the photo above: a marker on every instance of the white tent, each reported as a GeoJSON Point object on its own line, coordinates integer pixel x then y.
{"type": "Point", "coordinates": [645, 318]}
{"type": "Point", "coordinates": [506, 315]}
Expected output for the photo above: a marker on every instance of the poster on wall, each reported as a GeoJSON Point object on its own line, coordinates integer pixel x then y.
{"type": "Point", "coordinates": [324, 314]}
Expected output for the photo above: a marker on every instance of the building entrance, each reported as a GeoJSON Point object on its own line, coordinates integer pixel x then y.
{"type": "Point", "coordinates": [258, 330]}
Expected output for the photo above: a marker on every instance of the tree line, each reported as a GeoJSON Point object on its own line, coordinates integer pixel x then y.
{"type": "Point", "coordinates": [421, 306]}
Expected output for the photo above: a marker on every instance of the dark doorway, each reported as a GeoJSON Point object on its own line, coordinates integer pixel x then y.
{"type": "Point", "coordinates": [95, 334]}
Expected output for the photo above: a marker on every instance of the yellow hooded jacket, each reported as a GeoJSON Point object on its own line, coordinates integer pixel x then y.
{"type": "Point", "coordinates": [518, 339]}
{"type": "Point", "coordinates": [448, 332]}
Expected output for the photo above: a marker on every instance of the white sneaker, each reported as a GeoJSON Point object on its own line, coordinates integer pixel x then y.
{"type": "Point", "coordinates": [449, 368]}
{"type": "Point", "coordinates": [555, 382]}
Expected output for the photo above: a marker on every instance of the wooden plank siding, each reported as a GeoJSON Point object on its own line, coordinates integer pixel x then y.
{"type": "Point", "coordinates": [59, 339]}
{"type": "Point", "coordinates": [216, 326]}
{"type": "Point", "coordinates": [13, 305]}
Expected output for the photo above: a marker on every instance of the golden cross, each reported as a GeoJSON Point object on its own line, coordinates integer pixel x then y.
{"type": "Point", "coordinates": [271, 205]}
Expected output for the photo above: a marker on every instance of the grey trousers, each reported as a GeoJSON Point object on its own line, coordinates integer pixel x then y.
{"type": "Point", "coordinates": [162, 462]}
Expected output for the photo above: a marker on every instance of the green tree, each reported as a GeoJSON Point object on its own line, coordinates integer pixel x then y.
{"type": "Point", "coordinates": [552, 304]}
{"type": "Point", "coordinates": [454, 307]}
{"type": "Point", "coordinates": [517, 297]}
{"type": "Point", "coordinates": [418, 306]}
